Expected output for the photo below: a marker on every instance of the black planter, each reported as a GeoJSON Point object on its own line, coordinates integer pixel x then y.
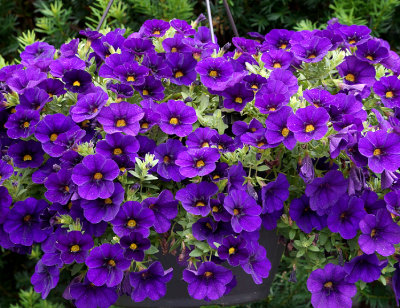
{"type": "Point", "coordinates": [246, 290]}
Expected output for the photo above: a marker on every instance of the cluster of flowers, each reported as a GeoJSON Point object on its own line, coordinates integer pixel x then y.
{"type": "Point", "coordinates": [115, 146]}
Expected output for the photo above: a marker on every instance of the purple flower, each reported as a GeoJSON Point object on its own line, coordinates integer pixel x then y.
{"type": "Point", "coordinates": [236, 177]}
{"type": "Point", "coordinates": [53, 87]}
{"type": "Point", "coordinates": [257, 265]}
{"type": "Point", "coordinates": [305, 218]}
{"type": "Point", "coordinates": [20, 80]}
{"type": "Point", "coordinates": [215, 73]}
{"type": "Point", "coordinates": [308, 123]}
{"type": "Point", "coordinates": [274, 194]}
{"type": "Point", "coordinates": [371, 202]}
{"type": "Point", "coordinates": [86, 295]}
{"type": "Point", "coordinates": [74, 246]}
{"type": "Point", "coordinates": [60, 66]}
{"type": "Point", "coordinates": [167, 153]}
{"type": "Point", "coordinates": [59, 187]}
{"type": "Point", "coordinates": [209, 282]}
{"type": "Point", "coordinates": [133, 217]}
{"type": "Point", "coordinates": [379, 233]}
{"type": "Point", "coordinates": [269, 102]}
{"type": "Point", "coordinates": [207, 229]}
{"type": "Point", "coordinates": [254, 82]}
{"type": "Point", "coordinates": [106, 264]}
{"type": "Point", "coordinates": [175, 44]}
{"type": "Point", "coordinates": [102, 46]}
{"type": "Point", "coordinates": [37, 52]}
{"type": "Point", "coordinates": [276, 128]}
{"type": "Point", "coordinates": [277, 39]}
{"type": "Point", "coordinates": [139, 46]}
{"type": "Point", "coordinates": [311, 50]}
{"type": "Point", "coordinates": [77, 81]}
{"type": "Point", "coordinates": [233, 249]}
{"type": "Point", "coordinates": [103, 209]}
{"type": "Point", "coordinates": [121, 117]}
{"type": "Point", "coordinates": [118, 144]}
{"type": "Point", "coordinates": [182, 27]}
{"type": "Point", "coordinates": [354, 34]}
{"type": "Point", "coordinates": [318, 97]}
{"type": "Point", "coordinates": [131, 73]}
{"type": "Point", "coordinates": [88, 106]}
{"type": "Point", "coordinates": [33, 99]}
{"type": "Point", "coordinates": [23, 223]}
{"type": "Point", "coordinates": [365, 267]}
{"type": "Point", "coordinates": [22, 123]}
{"type": "Point", "coordinates": [244, 210]}
{"type": "Point", "coordinates": [183, 68]}
{"type": "Point", "coordinates": [197, 162]}
{"type": "Point", "coordinates": [388, 89]}
{"type": "Point", "coordinates": [372, 51]}
{"type": "Point", "coordinates": [45, 278]}
{"type": "Point", "coordinates": [195, 198]}
{"type": "Point", "coordinates": [288, 79]}
{"type": "Point", "coordinates": [6, 170]}
{"type": "Point", "coordinates": [382, 150]}
{"type": "Point", "coordinates": [344, 216]}
{"type": "Point", "coordinates": [326, 191]}
{"type": "Point", "coordinates": [26, 154]}
{"type": "Point", "coordinates": [356, 71]}
{"type": "Point", "coordinates": [150, 282]}
{"type": "Point", "coordinates": [134, 246]}
{"type": "Point", "coordinates": [157, 65]}
{"type": "Point", "coordinates": [237, 96]}
{"type": "Point", "coordinates": [277, 58]}
{"type": "Point", "coordinates": [154, 28]}
{"type": "Point", "coordinates": [218, 211]}
{"type": "Point", "coordinates": [201, 138]}
{"type": "Point", "coordinates": [165, 208]}
{"type": "Point", "coordinates": [176, 118]}
{"type": "Point", "coordinates": [151, 88]}
{"type": "Point", "coordinates": [329, 287]}
{"type": "Point", "coordinates": [122, 90]}
{"type": "Point", "coordinates": [94, 177]}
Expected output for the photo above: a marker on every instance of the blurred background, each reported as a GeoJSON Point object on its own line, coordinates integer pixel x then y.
{"type": "Point", "coordinates": [25, 21]}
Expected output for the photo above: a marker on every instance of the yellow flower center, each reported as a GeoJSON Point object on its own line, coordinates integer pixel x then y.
{"type": "Point", "coordinates": [53, 137]}
{"type": "Point", "coordinates": [205, 145]}
{"type": "Point", "coordinates": [373, 232]}
{"type": "Point", "coordinates": [76, 83]}
{"type": "Point", "coordinates": [50, 94]}
{"type": "Point", "coordinates": [389, 94]}
{"type": "Point", "coordinates": [213, 73]}
{"type": "Point", "coordinates": [133, 246]}
{"type": "Point", "coordinates": [272, 109]}
{"type": "Point", "coordinates": [369, 57]}
{"type": "Point", "coordinates": [208, 225]}
{"type": "Point", "coordinates": [238, 100]}
{"type": "Point", "coordinates": [156, 32]}
{"type": "Point", "coordinates": [178, 74]}
{"type": "Point", "coordinates": [232, 250]}
{"type": "Point", "coordinates": [254, 87]}
{"type": "Point", "coordinates": [145, 92]}
{"type": "Point", "coordinates": [85, 123]}
{"type": "Point", "coordinates": [66, 188]}
{"type": "Point", "coordinates": [27, 157]}
{"type": "Point", "coordinates": [309, 128]}
{"type": "Point", "coordinates": [121, 123]}
{"type": "Point", "coordinates": [97, 176]}
{"type": "Point", "coordinates": [174, 121]}
{"type": "Point", "coordinates": [377, 152]}
{"type": "Point", "coordinates": [111, 263]}
{"type": "Point", "coordinates": [260, 144]}
{"type": "Point", "coordinates": [144, 125]}
{"type": "Point", "coordinates": [220, 147]}
{"type": "Point", "coordinates": [277, 65]}
{"type": "Point", "coordinates": [215, 209]}
{"type": "Point", "coordinates": [13, 110]}
{"type": "Point", "coordinates": [312, 56]}
{"type": "Point", "coordinates": [216, 177]}
{"type": "Point", "coordinates": [285, 132]}
{"type": "Point", "coordinates": [200, 203]}
{"type": "Point", "coordinates": [75, 248]}
{"type": "Point", "coordinates": [197, 55]}
{"type": "Point", "coordinates": [235, 212]}
{"type": "Point", "coordinates": [200, 163]}
{"type": "Point", "coordinates": [117, 151]}
{"type": "Point", "coordinates": [27, 218]}
{"type": "Point", "coordinates": [283, 46]}
{"type": "Point", "coordinates": [131, 223]}
{"type": "Point", "coordinates": [69, 205]}
{"type": "Point", "coordinates": [174, 49]}
{"type": "Point", "coordinates": [328, 284]}
{"type": "Point", "coordinates": [350, 77]}
{"type": "Point", "coordinates": [208, 274]}
{"type": "Point", "coordinates": [26, 124]}
{"type": "Point", "coordinates": [108, 201]}
{"type": "Point", "coordinates": [166, 159]}
{"type": "Point", "coordinates": [130, 78]}
{"type": "Point", "coordinates": [122, 169]}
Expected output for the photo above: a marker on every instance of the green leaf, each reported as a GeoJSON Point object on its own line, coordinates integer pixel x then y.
{"type": "Point", "coordinates": [196, 253]}
{"type": "Point", "coordinates": [152, 250]}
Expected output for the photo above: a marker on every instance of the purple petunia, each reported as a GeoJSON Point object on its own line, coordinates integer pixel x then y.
{"type": "Point", "coordinates": [215, 73]}
{"type": "Point", "coordinates": [22, 123]}
{"type": "Point", "coordinates": [118, 144]}
{"type": "Point", "coordinates": [26, 154]}
{"type": "Point", "coordinates": [134, 246]}
{"type": "Point", "coordinates": [60, 187]}
{"type": "Point", "coordinates": [233, 249]}
{"type": "Point", "coordinates": [277, 130]}
{"type": "Point", "coordinates": [197, 162]}
{"type": "Point", "coordinates": [367, 268]}
{"type": "Point", "coordinates": [195, 198]}
{"type": "Point", "coordinates": [167, 153]}
{"type": "Point", "coordinates": [74, 246]}
{"type": "Point", "coordinates": [183, 68]}
{"type": "Point", "coordinates": [356, 71]}
{"type": "Point", "coordinates": [274, 194]}
{"type": "Point", "coordinates": [388, 89]}
{"type": "Point", "coordinates": [45, 278]}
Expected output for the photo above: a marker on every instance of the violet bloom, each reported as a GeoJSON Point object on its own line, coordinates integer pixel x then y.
{"type": "Point", "coordinates": [20, 80]}
{"type": "Point", "coordinates": [236, 177]}
{"type": "Point", "coordinates": [269, 102]}
{"type": "Point", "coordinates": [183, 68]}
{"type": "Point", "coordinates": [152, 88]}
{"type": "Point", "coordinates": [195, 198]}
{"type": "Point", "coordinates": [86, 294]}
{"type": "Point", "coordinates": [215, 73]}
{"type": "Point", "coordinates": [60, 66]}
{"type": "Point", "coordinates": [176, 118]}
{"type": "Point", "coordinates": [279, 58]}
{"type": "Point", "coordinates": [244, 210]}
{"type": "Point", "coordinates": [237, 96]}
{"type": "Point", "coordinates": [167, 153]}
{"type": "Point", "coordinates": [99, 210]}
{"type": "Point", "coordinates": [121, 117]}
{"type": "Point", "coordinates": [288, 79]}
{"type": "Point", "coordinates": [164, 207]}
{"type": "Point", "coordinates": [254, 82]}
{"type": "Point", "coordinates": [154, 28]}
{"type": "Point", "coordinates": [150, 282]}
{"type": "Point", "coordinates": [257, 265]}
{"type": "Point", "coordinates": [218, 211]}
{"type": "Point", "coordinates": [45, 278]}
{"type": "Point", "coordinates": [23, 223]}
{"type": "Point", "coordinates": [392, 200]}
{"type": "Point", "coordinates": [131, 73]}
{"type": "Point", "coordinates": [22, 123]}
{"type": "Point", "coordinates": [355, 71]}
{"type": "Point", "coordinates": [209, 282]}
{"type": "Point", "coordinates": [233, 249]}
{"type": "Point", "coordinates": [278, 39]}
{"type": "Point", "coordinates": [6, 170]}
{"type": "Point", "coordinates": [113, 61]}
{"type": "Point", "coordinates": [182, 27]}
{"type": "Point", "coordinates": [312, 50]}
{"type": "Point", "coordinates": [274, 194]}
{"type": "Point", "coordinates": [224, 143]}
{"type": "Point", "coordinates": [88, 106]}
{"type": "Point", "coordinates": [5, 204]}
{"type": "Point", "coordinates": [118, 144]}
{"type": "Point", "coordinates": [74, 246]}
{"type": "Point", "coordinates": [354, 34]}
{"type": "Point", "coordinates": [53, 87]}
{"type": "Point", "coordinates": [60, 187]}
{"type": "Point", "coordinates": [382, 150]}
{"type": "Point", "coordinates": [201, 138]}
{"type": "Point", "coordinates": [345, 215]}
{"type": "Point", "coordinates": [33, 99]}
{"type": "Point", "coordinates": [326, 191]}
{"type": "Point", "coordinates": [379, 233]}
{"type": "Point", "coordinates": [122, 90]}
{"type": "Point", "coordinates": [388, 89]}
{"type": "Point", "coordinates": [106, 264]}
{"type": "Point", "coordinates": [94, 177]}
{"type": "Point", "coordinates": [367, 268]}
{"type": "Point", "coordinates": [329, 287]}
{"type": "Point", "coordinates": [157, 65]}
{"type": "Point", "coordinates": [308, 123]}
{"type": "Point", "coordinates": [77, 81]}
{"type": "Point", "coordinates": [133, 217]}
{"type": "Point", "coordinates": [26, 154]}
{"type": "Point", "coordinates": [150, 117]}
{"type": "Point", "coordinates": [318, 97]}
{"type": "Point", "coordinates": [134, 246]}
{"type": "Point", "coordinates": [207, 229]}
{"type": "Point", "coordinates": [37, 52]}
{"type": "Point", "coordinates": [197, 162]}
{"type": "Point", "coordinates": [175, 44]}
{"type": "Point", "coordinates": [139, 46]}
{"type": "Point", "coordinates": [305, 218]}
{"type": "Point", "coordinates": [372, 51]}
{"type": "Point", "coordinates": [276, 128]}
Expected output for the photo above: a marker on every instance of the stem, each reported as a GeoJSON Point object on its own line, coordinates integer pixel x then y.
{"type": "Point", "coordinates": [104, 15]}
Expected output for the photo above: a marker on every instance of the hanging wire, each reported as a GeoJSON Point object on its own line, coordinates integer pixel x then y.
{"type": "Point", "coordinates": [104, 15]}
{"type": "Point", "coordinates": [231, 21]}
{"type": "Point", "coordinates": [210, 21]}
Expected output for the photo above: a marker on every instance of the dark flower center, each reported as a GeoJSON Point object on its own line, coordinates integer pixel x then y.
{"type": "Point", "coordinates": [145, 92]}
{"type": "Point", "coordinates": [75, 248]}
{"type": "Point", "coordinates": [166, 159]}
{"type": "Point", "coordinates": [174, 49]}
{"type": "Point", "coordinates": [282, 45]}
{"type": "Point", "coordinates": [117, 151]}
{"type": "Point", "coordinates": [144, 125]}
{"type": "Point", "coordinates": [369, 57]}
{"type": "Point", "coordinates": [343, 216]}
{"type": "Point", "coordinates": [200, 163]}
{"type": "Point", "coordinates": [213, 73]}
{"type": "Point", "coordinates": [208, 226]}
{"type": "Point", "coordinates": [26, 124]}
{"type": "Point", "coordinates": [215, 209]}
{"type": "Point", "coordinates": [276, 65]}
{"type": "Point", "coordinates": [238, 100]}
{"type": "Point", "coordinates": [27, 157]}
{"type": "Point", "coordinates": [311, 56]}
{"type": "Point", "coordinates": [27, 218]}
{"type": "Point", "coordinates": [130, 78]}
{"type": "Point", "coordinates": [121, 123]}
{"type": "Point", "coordinates": [373, 233]}
{"type": "Point", "coordinates": [97, 176]}
{"type": "Point", "coordinates": [156, 32]}
{"type": "Point", "coordinates": [205, 144]}
{"type": "Point", "coordinates": [236, 211]}
{"type": "Point", "coordinates": [208, 274]}
{"type": "Point", "coordinates": [260, 144]}
{"type": "Point", "coordinates": [131, 223]}
{"type": "Point", "coordinates": [328, 284]}
{"type": "Point", "coordinates": [66, 188]}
